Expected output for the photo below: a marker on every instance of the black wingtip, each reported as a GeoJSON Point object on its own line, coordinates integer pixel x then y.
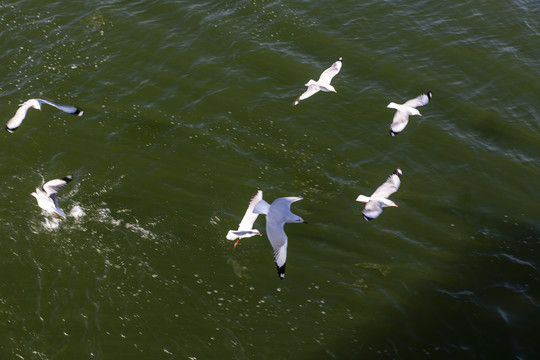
{"type": "Point", "coordinates": [398, 172]}
{"type": "Point", "coordinates": [68, 178]}
{"type": "Point", "coordinates": [429, 94]}
{"type": "Point", "coordinates": [340, 59]}
{"type": "Point", "coordinates": [393, 133]}
{"type": "Point", "coordinates": [281, 271]}
{"type": "Point", "coordinates": [10, 130]}
{"type": "Point", "coordinates": [79, 112]}
{"type": "Point", "coordinates": [367, 218]}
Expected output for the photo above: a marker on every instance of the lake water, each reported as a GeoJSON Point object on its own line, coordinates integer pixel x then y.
{"type": "Point", "coordinates": [188, 111]}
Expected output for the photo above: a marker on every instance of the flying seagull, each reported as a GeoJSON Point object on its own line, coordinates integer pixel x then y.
{"type": "Point", "coordinates": [379, 199]}
{"type": "Point", "coordinates": [277, 215]}
{"type": "Point", "coordinates": [323, 83]}
{"type": "Point", "coordinates": [46, 195]}
{"type": "Point", "coordinates": [401, 117]}
{"type": "Point", "coordinates": [245, 229]}
{"type": "Point", "coordinates": [19, 116]}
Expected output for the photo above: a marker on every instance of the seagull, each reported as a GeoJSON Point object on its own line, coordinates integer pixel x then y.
{"type": "Point", "coordinates": [323, 83]}
{"type": "Point", "coordinates": [379, 198]}
{"type": "Point", "coordinates": [46, 195]}
{"type": "Point", "coordinates": [19, 116]}
{"type": "Point", "coordinates": [401, 117]}
{"type": "Point", "coordinates": [245, 229]}
{"type": "Point", "coordinates": [277, 215]}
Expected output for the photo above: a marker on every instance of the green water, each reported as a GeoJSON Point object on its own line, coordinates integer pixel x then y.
{"type": "Point", "coordinates": [188, 111]}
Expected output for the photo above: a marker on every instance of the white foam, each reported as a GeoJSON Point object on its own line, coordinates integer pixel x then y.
{"type": "Point", "coordinates": [51, 223]}
{"type": "Point", "coordinates": [77, 212]}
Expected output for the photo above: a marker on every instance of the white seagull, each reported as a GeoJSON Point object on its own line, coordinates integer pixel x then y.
{"type": "Point", "coordinates": [277, 215]}
{"type": "Point", "coordinates": [245, 228]}
{"type": "Point", "coordinates": [401, 117]}
{"type": "Point", "coordinates": [323, 83]}
{"type": "Point", "coordinates": [46, 195]}
{"type": "Point", "coordinates": [19, 116]}
{"type": "Point", "coordinates": [379, 199]}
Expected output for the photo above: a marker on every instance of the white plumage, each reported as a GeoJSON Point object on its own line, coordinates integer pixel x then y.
{"type": "Point", "coordinates": [46, 195]}
{"type": "Point", "coordinates": [323, 83]}
{"type": "Point", "coordinates": [401, 117]}
{"type": "Point", "coordinates": [277, 214]}
{"type": "Point", "coordinates": [245, 228]}
{"type": "Point", "coordinates": [379, 198]}
{"type": "Point", "coordinates": [19, 116]}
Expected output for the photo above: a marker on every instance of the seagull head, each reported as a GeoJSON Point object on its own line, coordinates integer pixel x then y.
{"type": "Point", "coordinates": [296, 219]}
{"type": "Point", "coordinates": [388, 202]}
{"type": "Point", "coordinates": [328, 88]}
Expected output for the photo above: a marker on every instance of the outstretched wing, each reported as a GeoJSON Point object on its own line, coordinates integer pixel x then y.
{"type": "Point", "coordinates": [312, 89]}
{"type": "Point", "coordinates": [372, 210]}
{"type": "Point", "coordinates": [399, 122]}
{"type": "Point", "coordinates": [420, 100]}
{"type": "Point", "coordinates": [19, 116]}
{"type": "Point", "coordinates": [65, 108]}
{"type": "Point", "coordinates": [390, 186]}
{"type": "Point", "coordinates": [51, 187]}
{"type": "Point", "coordinates": [278, 240]}
{"type": "Point", "coordinates": [249, 217]}
{"type": "Point", "coordinates": [328, 74]}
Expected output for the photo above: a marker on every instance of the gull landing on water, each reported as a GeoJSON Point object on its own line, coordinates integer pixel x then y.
{"type": "Point", "coordinates": [19, 116]}
{"type": "Point", "coordinates": [245, 228]}
{"type": "Point", "coordinates": [401, 117]}
{"type": "Point", "coordinates": [323, 83]}
{"type": "Point", "coordinates": [277, 215]}
{"type": "Point", "coordinates": [379, 199]}
{"type": "Point", "coordinates": [46, 195]}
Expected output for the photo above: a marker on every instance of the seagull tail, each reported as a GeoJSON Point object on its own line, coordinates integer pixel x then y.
{"type": "Point", "coordinates": [363, 198]}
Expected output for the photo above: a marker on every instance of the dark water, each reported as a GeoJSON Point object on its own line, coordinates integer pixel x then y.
{"type": "Point", "coordinates": [188, 111]}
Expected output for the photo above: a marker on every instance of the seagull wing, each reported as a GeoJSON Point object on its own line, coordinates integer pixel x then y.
{"type": "Point", "coordinates": [65, 108]}
{"type": "Point", "coordinates": [281, 207]}
{"type": "Point", "coordinates": [18, 118]}
{"type": "Point", "coordinates": [278, 214]}
{"type": "Point", "coordinates": [399, 122]}
{"type": "Point", "coordinates": [328, 74]}
{"type": "Point", "coordinates": [390, 186]}
{"type": "Point", "coordinates": [312, 89]}
{"type": "Point", "coordinates": [249, 217]}
{"type": "Point", "coordinates": [278, 240]}
{"type": "Point", "coordinates": [420, 100]}
{"type": "Point", "coordinates": [51, 187]}
{"type": "Point", "coordinates": [372, 210]}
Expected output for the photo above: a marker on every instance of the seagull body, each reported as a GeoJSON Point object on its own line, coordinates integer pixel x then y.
{"type": "Point", "coordinates": [19, 116]}
{"type": "Point", "coordinates": [245, 228]}
{"type": "Point", "coordinates": [46, 195]}
{"type": "Point", "coordinates": [277, 214]}
{"type": "Point", "coordinates": [401, 117]}
{"type": "Point", "coordinates": [323, 83]}
{"type": "Point", "coordinates": [379, 199]}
